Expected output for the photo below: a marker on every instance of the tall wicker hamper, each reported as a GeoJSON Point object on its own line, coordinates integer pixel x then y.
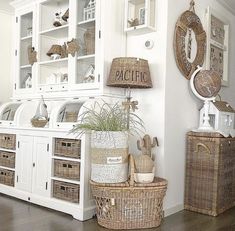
{"type": "Point", "coordinates": [210, 173]}
{"type": "Point", "coordinates": [129, 205]}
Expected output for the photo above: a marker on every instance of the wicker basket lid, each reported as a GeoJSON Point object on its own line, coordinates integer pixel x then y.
{"type": "Point", "coordinates": [129, 72]}
{"type": "Point", "coordinates": [55, 49]}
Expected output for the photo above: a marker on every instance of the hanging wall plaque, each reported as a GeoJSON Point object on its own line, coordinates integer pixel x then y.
{"type": "Point", "coordinates": [187, 24]}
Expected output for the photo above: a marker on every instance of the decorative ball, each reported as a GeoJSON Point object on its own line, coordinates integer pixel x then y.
{"type": "Point", "coordinates": [207, 83]}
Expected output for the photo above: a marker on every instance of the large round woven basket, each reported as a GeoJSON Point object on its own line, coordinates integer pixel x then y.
{"type": "Point", "coordinates": [109, 157]}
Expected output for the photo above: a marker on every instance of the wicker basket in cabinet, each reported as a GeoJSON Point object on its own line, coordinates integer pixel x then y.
{"type": "Point", "coordinates": [210, 173]}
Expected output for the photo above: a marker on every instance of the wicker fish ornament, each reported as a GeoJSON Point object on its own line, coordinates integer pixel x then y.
{"type": "Point", "coordinates": [73, 47]}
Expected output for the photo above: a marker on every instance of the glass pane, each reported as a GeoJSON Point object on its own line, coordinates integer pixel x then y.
{"type": "Point", "coordinates": [136, 13]}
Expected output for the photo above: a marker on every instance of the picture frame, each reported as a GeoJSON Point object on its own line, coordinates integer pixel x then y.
{"type": "Point", "coordinates": [217, 44]}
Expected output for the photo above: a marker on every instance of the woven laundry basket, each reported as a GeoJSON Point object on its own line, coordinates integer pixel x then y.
{"type": "Point", "coordinates": [109, 157]}
{"type": "Point", "coordinates": [129, 205]}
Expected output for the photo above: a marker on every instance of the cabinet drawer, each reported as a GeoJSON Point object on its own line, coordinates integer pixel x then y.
{"type": "Point", "coordinates": [66, 191]}
{"type": "Point", "coordinates": [8, 141]}
{"type": "Point", "coordinates": [68, 148]}
{"type": "Point", "coordinates": [67, 169]}
{"type": "Point", "coordinates": [7, 177]}
{"type": "Point", "coordinates": [7, 159]}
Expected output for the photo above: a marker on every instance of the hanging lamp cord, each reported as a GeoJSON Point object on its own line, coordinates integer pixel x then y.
{"type": "Point", "coordinates": [192, 4]}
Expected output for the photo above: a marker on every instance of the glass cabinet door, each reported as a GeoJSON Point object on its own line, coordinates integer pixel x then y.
{"type": "Point", "coordinates": [86, 37]}
{"type": "Point", "coordinates": [25, 78]}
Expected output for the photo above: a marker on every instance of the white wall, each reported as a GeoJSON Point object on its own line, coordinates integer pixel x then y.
{"type": "Point", "coordinates": [5, 55]}
{"type": "Point", "coordinates": [169, 109]}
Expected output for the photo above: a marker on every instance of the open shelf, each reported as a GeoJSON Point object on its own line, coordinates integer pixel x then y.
{"type": "Point", "coordinates": [26, 38]}
{"type": "Point", "coordinates": [66, 180]}
{"type": "Point", "coordinates": [65, 158]}
{"type": "Point", "coordinates": [6, 168]}
{"type": "Point", "coordinates": [56, 32]}
{"type": "Point", "coordinates": [61, 62]}
{"type": "Point", "coordinates": [25, 66]}
{"type": "Point", "coordinates": [86, 24]}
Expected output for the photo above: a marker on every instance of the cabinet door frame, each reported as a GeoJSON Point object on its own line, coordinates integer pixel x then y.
{"type": "Point", "coordinates": [23, 164]}
{"type": "Point", "coordinates": [19, 13]}
{"type": "Point", "coordinates": [39, 188]}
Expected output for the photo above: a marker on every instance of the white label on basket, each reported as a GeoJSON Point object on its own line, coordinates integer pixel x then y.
{"type": "Point", "coordinates": [114, 160]}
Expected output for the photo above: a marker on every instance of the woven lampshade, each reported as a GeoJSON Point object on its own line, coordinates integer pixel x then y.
{"type": "Point", "coordinates": [55, 49]}
{"type": "Point", "coordinates": [129, 72]}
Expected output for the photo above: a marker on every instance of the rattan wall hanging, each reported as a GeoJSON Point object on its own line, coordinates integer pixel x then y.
{"type": "Point", "coordinates": [186, 23]}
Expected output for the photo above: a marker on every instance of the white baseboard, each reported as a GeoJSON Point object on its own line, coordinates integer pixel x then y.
{"type": "Point", "coordinates": [173, 210]}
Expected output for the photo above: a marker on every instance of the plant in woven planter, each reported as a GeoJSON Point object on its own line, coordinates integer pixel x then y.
{"type": "Point", "coordinates": [109, 140]}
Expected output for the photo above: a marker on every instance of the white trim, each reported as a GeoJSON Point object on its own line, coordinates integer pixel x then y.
{"type": "Point", "coordinates": [227, 6]}
{"type": "Point", "coordinates": [9, 12]}
{"type": "Point", "coordinates": [174, 209]}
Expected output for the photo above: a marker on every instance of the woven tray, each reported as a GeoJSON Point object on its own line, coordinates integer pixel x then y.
{"type": "Point", "coordinates": [129, 205]}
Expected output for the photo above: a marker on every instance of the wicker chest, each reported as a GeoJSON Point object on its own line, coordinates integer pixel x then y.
{"type": "Point", "coordinates": [210, 173]}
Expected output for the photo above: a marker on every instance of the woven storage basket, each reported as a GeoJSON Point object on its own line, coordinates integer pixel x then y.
{"type": "Point", "coordinates": [129, 205]}
{"type": "Point", "coordinates": [39, 123]}
{"type": "Point", "coordinates": [68, 148]}
{"type": "Point", "coordinates": [89, 41]}
{"type": "Point", "coordinates": [210, 173]}
{"type": "Point", "coordinates": [66, 191]}
{"type": "Point", "coordinates": [67, 169]}
{"type": "Point", "coordinates": [7, 159]}
{"type": "Point", "coordinates": [71, 116]}
{"type": "Point", "coordinates": [7, 177]}
{"type": "Point", "coordinates": [8, 141]}
{"type": "Point", "coordinates": [109, 157]}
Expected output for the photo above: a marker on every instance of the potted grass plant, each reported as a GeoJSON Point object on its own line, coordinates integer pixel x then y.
{"type": "Point", "coordinates": [110, 128]}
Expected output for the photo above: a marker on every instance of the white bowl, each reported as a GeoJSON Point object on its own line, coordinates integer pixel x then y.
{"type": "Point", "coordinates": [143, 177]}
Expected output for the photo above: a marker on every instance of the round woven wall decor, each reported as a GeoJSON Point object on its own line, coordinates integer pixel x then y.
{"type": "Point", "coordinates": [189, 20]}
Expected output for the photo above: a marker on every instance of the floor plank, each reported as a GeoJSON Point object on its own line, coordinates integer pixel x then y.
{"type": "Point", "coordinates": [16, 215]}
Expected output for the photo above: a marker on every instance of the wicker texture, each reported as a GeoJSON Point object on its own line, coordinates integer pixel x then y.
{"type": "Point", "coordinates": [67, 169]}
{"type": "Point", "coordinates": [7, 159]}
{"type": "Point", "coordinates": [129, 72]}
{"type": "Point", "coordinates": [8, 141]}
{"type": "Point", "coordinates": [55, 49]}
{"type": "Point", "coordinates": [210, 173]}
{"type": "Point", "coordinates": [71, 116]}
{"type": "Point", "coordinates": [129, 205]}
{"type": "Point", "coordinates": [39, 123]}
{"type": "Point", "coordinates": [7, 177]}
{"type": "Point", "coordinates": [189, 20]}
{"type": "Point", "coordinates": [68, 148]}
{"type": "Point", "coordinates": [66, 191]}
{"type": "Point", "coordinates": [89, 41]}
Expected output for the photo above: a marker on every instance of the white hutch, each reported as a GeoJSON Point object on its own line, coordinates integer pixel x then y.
{"type": "Point", "coordinates": [49, 166]}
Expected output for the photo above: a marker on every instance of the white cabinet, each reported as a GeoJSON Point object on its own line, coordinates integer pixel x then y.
{"type": "Point", "coordinates": [97, 26]}
{"type": "Point", "coordinates": [33, 164]}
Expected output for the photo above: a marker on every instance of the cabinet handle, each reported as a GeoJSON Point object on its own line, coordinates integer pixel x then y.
{"type": "Point", "coordinates": [17, 179]}
{"type": "Point", "coordinates": [33, 164]}
{"type": "Point", "coordinates": [46, 185]}
{"type": "Point", "coordinates": [204, 146]}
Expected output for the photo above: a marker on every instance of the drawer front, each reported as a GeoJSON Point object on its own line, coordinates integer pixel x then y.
{"type": "Point", "coordinates": [66, 191]}
{"type": "Point", "coordinates": [8, 141]}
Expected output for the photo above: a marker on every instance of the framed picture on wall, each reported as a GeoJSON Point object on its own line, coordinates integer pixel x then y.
{"type": "Point", "coordinates": [217, 44]}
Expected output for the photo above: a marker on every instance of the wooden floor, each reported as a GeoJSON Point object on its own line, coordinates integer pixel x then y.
{"type": "Point", "coordinates": [22, 216]}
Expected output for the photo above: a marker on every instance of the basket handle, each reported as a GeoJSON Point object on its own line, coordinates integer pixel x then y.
{"type": "Point", "coordinates": [132, 169]}
{"type": "Point", "coordinates": [204, 146]}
